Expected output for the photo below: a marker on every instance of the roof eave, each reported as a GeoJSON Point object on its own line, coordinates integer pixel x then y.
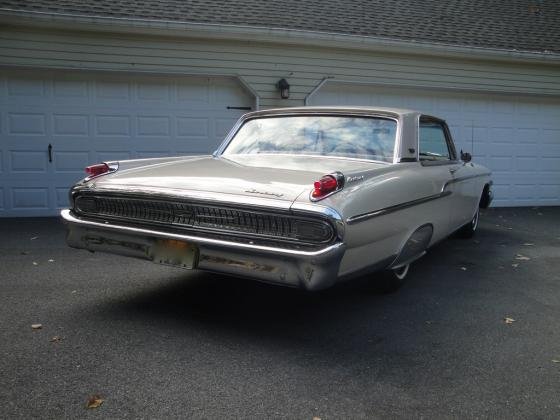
{"type": "Point", "coordinates": [263, 34]}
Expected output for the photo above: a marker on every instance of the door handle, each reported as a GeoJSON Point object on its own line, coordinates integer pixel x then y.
{"type": "Point", "coordinates": [453, 170]}
{"type": "Point", "coordinates": [50, 152]}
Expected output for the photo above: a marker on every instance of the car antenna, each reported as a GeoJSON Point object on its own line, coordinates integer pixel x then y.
{"type": "Point", "coordinates": [472, 138]}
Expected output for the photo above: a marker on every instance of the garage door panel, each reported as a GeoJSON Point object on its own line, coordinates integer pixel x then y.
{"type": "Point", "coordinates": [70, 161]}
{"type": "Point", "coordinates": [527, 135]}
{"type": "Point", "coordinates": [551, 135]}
{"type": "Point", "coordinates": [192, 127]}
{"type": "Point", "coordinates": [551, 164]}
{"type": "Point", "coordinates": [159, 146]}
{"type": "Point", "coordinates": [525, 192]}
{"type": "Point", "coordinates": [526, 164]}
{"type": "Point", "coordinates": [27, 124]}
{"type": "Point", "coordinates": [195, 147]}
{"type": "Point", "coordinates": [501, 163]}
{"type": "Point", "coordinates": [153, 92]}
{"type": "Point", "coordinates": [194, 91]}
{"type": "Point", "coordinates": [26, 87]}
{"type": "Point", "coordinates": [549, 192]}
{"type": "Point", "coordinates": [108, 155]}
{"type": "Point", "coordinates": [88, 118]}
{"type": "Point", "coordinates": [502, 108]}
{"type": "Point", "coordinates": [61, 197]}
{"type": "Point", "coordinates": [500, 137]}
{"type": "Point", "coordinates": [32, 198]}
{"type": "Point", "coordinates": [523, 149]}
{"type": "Point", "coordinates": [28, 161]}
{"type": "Point", "coordinates": [223, 125]}
{"type": "Point", "coordinates": [113, 125]}
{"type": "Point", "coordinates": [549, 149]}
{"type": "Point", "coordinates": [75, 125]}
{"type": "Point", "coordinates": [517, 137]}
{"type": "Point", "coordinates": [502, 194]}
{"type": "Point", "coordinates": [111, 93]}
{"type": "Point", "coordinates": [153, 125]}
{"type": "Point", "coordinates": [70, 91]}
{"type": "Point", "coordinates": [151, 154]}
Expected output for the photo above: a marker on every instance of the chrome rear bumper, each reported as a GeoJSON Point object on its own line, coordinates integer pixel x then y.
{"type": "Point", "coordinates": [311, 270]}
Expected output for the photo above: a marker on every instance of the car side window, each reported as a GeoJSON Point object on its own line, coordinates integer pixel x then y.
{"type": "Point", "coordinates": [433, 143]}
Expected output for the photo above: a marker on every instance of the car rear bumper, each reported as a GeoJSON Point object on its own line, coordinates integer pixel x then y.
{"type": "Point", "coordinates": [311, 270]}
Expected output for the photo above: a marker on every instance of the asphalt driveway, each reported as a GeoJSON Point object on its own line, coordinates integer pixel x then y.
{"type": "Point", "coordinates": [475, 333]}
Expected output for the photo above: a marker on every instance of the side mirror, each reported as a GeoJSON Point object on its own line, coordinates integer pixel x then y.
{"type": "Point", "coordinates": [466, 157]}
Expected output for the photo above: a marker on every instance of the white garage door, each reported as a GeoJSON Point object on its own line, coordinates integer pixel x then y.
{"type": "Point", "coordinates": [517, 137]}
{"type": "Point", "coordinates": [84, 118]}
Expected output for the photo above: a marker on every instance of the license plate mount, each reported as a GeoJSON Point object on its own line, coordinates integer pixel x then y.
{"type": "Point", "coordinates": [174, 253]}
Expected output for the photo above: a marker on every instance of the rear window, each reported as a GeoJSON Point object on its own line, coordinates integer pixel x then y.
{"type": "Point", "coordinates": [322, 135]}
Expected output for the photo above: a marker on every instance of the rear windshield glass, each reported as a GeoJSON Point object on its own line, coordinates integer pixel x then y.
{"type": "Point", "coordinates": [353, 137]}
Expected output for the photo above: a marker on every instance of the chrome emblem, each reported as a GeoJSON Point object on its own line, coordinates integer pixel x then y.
{"type": "Point", "coordinates": [354, 178]}
{"type": "Point", "coordinates": [253, 191]}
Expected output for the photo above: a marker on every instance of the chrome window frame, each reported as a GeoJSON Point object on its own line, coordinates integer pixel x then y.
{"type": "Point", "coordinates": [332, 113]}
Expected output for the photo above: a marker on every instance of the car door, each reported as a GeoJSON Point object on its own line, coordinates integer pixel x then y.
{"type": "Point", "coordinates": [438, 157]}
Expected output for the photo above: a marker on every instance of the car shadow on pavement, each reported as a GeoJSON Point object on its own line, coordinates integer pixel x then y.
{"type": "Point", "coordinates": [460, 289]}
{"type": "Point", "coordinates": [344, 319]}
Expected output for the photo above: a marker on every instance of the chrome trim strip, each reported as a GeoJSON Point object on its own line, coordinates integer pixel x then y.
{"type": "Point", "coordinates": [170, 193]}
{"type": "Point", "coordinates": [214, 198]}
{"type": "Point", "coordinates": [317, 208]}
{"type": "Point", "coordinates": [70, 218]}
{"type": "Point", "coordinates": [397, 207]}
{"type": "Point", "coordinates": [333, 215]}
{"type": "Point", "coordinates": [464, 178]}
{"type": "Point", "coordinates": [391, 209]}
{"type": "Point", "coordinates": [287, 112]}
{"type": "Point", "coordinates": [196, 216]}
{"type": "Point", "coordinates": [305, 155]}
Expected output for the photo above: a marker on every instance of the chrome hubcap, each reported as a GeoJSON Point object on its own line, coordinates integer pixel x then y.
{"type": "Point", "coordinates": [474, 222]}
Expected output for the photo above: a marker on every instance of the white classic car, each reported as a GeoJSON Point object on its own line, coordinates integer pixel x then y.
{"type": "Point", "coordinates": [302, 197]}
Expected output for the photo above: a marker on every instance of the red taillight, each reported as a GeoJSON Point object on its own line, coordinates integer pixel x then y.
{"type": "Point", "coordinates": [326, 185]}
{"type": "Point", "coordinates": [97, 169]}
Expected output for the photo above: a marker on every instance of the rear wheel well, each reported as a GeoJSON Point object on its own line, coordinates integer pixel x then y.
{"type": "Point", "coordinates": [485, 197]}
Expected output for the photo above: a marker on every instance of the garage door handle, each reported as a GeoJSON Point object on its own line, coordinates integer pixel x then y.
{"type": "Point", "coordinates": [50, 152]}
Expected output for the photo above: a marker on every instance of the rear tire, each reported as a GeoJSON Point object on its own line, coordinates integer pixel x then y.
{"type": "Point", "coordinates": [468, 230]}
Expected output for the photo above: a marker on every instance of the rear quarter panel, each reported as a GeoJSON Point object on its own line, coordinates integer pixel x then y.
{"type": "Point", "coordinates": [379, 238]}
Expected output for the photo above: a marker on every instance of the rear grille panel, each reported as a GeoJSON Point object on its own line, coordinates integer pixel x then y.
{"type": "Point", "coordinates": [215, 220]}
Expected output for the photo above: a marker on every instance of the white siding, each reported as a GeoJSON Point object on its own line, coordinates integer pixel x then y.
{"type": "Point", "coordinates": [262, 65]}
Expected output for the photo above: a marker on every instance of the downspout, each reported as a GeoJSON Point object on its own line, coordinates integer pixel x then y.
{"type": "Point", "coordinates": [315, 90]}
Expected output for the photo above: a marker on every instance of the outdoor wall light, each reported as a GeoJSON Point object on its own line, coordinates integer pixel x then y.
{"type": "Point", "coordinates": [284, 88]}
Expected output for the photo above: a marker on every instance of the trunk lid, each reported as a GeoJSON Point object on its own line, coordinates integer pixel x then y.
{"type": "Point", "coordinates": [274, 177]}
